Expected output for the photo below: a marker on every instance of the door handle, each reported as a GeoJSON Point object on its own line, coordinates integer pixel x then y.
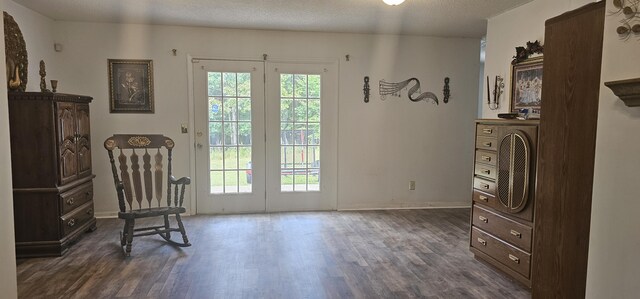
{"type": "Point", "coordinates": [199, 145]}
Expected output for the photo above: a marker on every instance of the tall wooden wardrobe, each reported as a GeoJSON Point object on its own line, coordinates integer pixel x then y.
{"type": "Point", "coordinates": [570, 98]}
{"type": "Point", "coordinates": [51, 169]}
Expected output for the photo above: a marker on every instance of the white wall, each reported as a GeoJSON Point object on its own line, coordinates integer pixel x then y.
{"type": "Point", "coordinates": [8, 283]}
{"type": "Point", "coordinates": [614, 268]}
{"type": "Point", "coordinates": [382, 145]}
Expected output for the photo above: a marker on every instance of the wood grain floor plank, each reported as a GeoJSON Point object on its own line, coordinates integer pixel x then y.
{"type": "Point", "coordinates": [368, 254]}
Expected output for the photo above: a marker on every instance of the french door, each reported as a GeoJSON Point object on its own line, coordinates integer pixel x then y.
{"type": "Point", "coordinates": [265, 139]}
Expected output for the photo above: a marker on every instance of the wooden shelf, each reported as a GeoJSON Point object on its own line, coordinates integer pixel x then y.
{"type": "Point", "coordinates": [627, 90]}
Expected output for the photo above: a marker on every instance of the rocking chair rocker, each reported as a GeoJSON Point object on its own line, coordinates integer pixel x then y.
{"type": "Point", "coordinates": [146, 145]}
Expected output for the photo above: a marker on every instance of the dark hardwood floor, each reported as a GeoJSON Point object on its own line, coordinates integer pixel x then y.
{"type": "Point", "coordinates": [371, 254]}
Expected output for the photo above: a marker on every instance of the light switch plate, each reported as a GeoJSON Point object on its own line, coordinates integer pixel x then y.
{"type": "Point", "coordinates": [184, 129]}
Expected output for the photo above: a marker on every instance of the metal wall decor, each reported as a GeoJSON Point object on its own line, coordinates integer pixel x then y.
{"type": "Point", "coordinates": [523, 53]}
{"type": "Point", "coordinates": [446, 92]}
{"type": "Point", "coordinates": [630, 23]}
{"type": "Point", "coordinates": [389, 88]}
{"type": "Point", "coordinates": [498, 90]}
{"type": "Point", "coordinates": [366, 89]}
{"type": "Point", "coordinates": [16, 55]}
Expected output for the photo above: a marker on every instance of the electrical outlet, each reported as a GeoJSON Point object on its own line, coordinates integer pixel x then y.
{"type": "Point", "coordinates": [184, 129]}
{"type": "Point", "coordinates": [412, 185]}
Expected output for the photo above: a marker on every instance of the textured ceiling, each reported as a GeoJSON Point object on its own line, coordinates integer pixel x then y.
{"type": "Point", "coordinates": [459, 18]}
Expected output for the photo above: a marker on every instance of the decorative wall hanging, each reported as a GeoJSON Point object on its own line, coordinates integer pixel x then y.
{"type": "Point", "coordinates": [498, 90]}
{"type": "Point", "coordinates": [389, 88]}
{"type": "Point", "coordinates": [630, 23]}
{"type": "Point", "coordinates": [131, 86]}
{"type": "Point", "coordinates": [523, 53]}
{"type": "Point", "coordinates": [16, 55]}
{"type": "Point", "coordinates": [446, 92]}
{"type": "Point", "coordinates": [43, 74]}
{"type": "Point", "coordinates": [526, 85]}
{"type": "Point", "coordinates": [366, 89]}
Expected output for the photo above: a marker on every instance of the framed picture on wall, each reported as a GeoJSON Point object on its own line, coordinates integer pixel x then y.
{"type": "Point", "coordinates": [131, 86]}
{"type": "Point", "coordinates": [526, 85]}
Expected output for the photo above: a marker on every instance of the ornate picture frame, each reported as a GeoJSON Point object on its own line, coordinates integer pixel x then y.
{"type": "Point", "coordinates": [526, 85]}
{"type": "Point", "coordinates": [130, 86]}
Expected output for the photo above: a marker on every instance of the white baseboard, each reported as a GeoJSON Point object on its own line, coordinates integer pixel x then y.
{"type": "Point", "coordinates": [108, 215]}
{"type": "Point", "coordinates": [406, 206]}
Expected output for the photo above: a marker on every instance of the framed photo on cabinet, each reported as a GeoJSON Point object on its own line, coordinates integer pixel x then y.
{"type": "Point", "coordinates": [526, 85]}
{"type": "Point", "coordinates": [131, 86]}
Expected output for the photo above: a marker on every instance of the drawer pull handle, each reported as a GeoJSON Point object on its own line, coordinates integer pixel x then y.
{"type": "Point", "coordinates": [516, 234]}
{"type": "Point", "coordinates": [483, 219]}
{"type": "Point", "coordinates": [484, 198]}
{"type": "Point", "coordinates": [483, 242]}
{"type": "Point", "coordinates": [89, 193]}
{"type": "Point", "coordinates": [89, 211]}
{"type": "Point", "coordinates": [486, 144]}
{"type": "Point", "coordinates": [487, 131]}
{"type": "Point", "coordinates": [485, 171]}
{"type": "Point", "coordinates": [486, 158]}
{"type": "Point", "coordinates": [485, 186]}
{"type": "Point", "coordinates": [70, 201]}
{"type": "Point", "coordinates": [71, 222]}
{"type": "Point", "coordinates": [514, 258]}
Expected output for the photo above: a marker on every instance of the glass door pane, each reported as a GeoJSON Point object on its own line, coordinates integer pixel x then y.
{"type": "Point", "coordinates": [230, 132]}
{"type": "Point", "coordinates": [300, 101]}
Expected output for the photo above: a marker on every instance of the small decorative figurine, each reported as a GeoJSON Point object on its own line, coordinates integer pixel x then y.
{"type": "Point", "coordinates": [43, 73]}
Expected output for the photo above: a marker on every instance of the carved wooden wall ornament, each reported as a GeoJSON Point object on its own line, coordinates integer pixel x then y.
{"type": "Point", "coordinates": [16, 55]}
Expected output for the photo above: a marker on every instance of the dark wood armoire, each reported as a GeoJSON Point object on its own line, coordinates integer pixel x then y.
{"type": "Point", "coordinates": [570, 99]}
{"type": "Point", "coordinates": [51, 169]}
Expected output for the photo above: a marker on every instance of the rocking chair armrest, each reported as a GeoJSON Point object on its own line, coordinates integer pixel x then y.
{"type": "Point", "coordinates": [181, 181]}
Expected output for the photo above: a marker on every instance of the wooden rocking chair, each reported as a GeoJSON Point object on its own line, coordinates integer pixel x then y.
{"type": "Point", "coordinates": [146, 146]}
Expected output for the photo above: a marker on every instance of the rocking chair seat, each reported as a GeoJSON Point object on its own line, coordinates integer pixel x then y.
{"type": "Point", "coordinates": [150, 212]}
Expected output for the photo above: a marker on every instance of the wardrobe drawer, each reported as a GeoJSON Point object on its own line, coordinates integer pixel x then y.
{"type": "Point", "coordinates": [484, 198]}
{"type": "Point", "coordinates": [76, 197]}
{"type": "Point", "coordinates": [484, 185]}
{"type": "Point", "coordinates": [506, 229]}
{"type": "Point", "coordinates": [504, 253]}
{"type": "Point", "coordinates": [485, 157]}
{"type": "Point", "coordinates": [77, 218]}
{"type": "Point", "coordinates": [485, 171]}
{"type": "Point", "coordinates": [486, 143]}
{"type": "Point", "coordinates": [486, 130]}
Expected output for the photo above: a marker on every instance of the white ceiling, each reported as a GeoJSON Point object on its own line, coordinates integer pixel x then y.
{"type": "Point", "coordinates": [459, 18]}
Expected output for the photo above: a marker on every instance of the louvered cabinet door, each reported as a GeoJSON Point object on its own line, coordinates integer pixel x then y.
{"type": "Point", "coordinates": [83, 139]}
{"type": "Point", "coordinates": [67, 149]}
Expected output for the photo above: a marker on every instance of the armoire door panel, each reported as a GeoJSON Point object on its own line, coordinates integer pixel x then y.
{"type": "Point", "coordinates": [84, 139]}
{"type": "Point", "coordinates": [68, 159]}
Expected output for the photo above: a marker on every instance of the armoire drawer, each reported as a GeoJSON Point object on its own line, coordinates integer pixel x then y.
{"type": "Point", "coordinates": [485, 157]}
{"type": "Point", "coordinates": [506, 229]}
{"type": "Point", "coordinates": [504, 253]}
{"type": "Point", "coordinates": [484, 185]}
{"type": "Point", "coordinates": [76, 197]}
{"type": "Point", "coordinates": [485, 171]}
{"type": "Point", "coordinates": [484, 199]}
{"type": "Point", "coordinates": [486, 143]}
{"type": "Point", "coordinates": [77, 218]}
{"type": "Point", "coordinates": [486, 130]}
